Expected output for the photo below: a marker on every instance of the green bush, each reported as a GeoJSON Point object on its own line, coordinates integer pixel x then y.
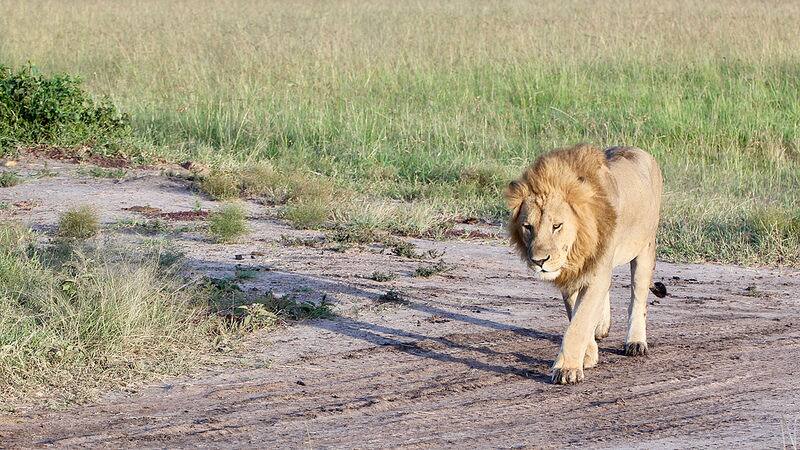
{"type": "Point", "coordinates": [55, 110]}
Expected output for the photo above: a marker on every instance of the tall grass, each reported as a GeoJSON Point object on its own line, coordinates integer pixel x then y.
{"type": "Point", "coordinates": [440, 103]}
{"type": "Point", "coordinates": [74, 320]}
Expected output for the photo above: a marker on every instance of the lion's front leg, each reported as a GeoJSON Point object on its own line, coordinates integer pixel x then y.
{"type": "Point", "coordinates": [579, 337]}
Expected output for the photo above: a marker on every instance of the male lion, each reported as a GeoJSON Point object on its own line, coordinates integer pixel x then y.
{"type": "Point", "coordinates": [577, 213]}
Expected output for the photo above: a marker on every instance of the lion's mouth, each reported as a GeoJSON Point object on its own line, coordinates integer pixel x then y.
{"type": "Point", "coordinates": [545, 274]}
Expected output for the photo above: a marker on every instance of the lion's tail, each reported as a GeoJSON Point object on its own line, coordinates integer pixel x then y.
{"type": "Point", "coordinates": [658, 289]}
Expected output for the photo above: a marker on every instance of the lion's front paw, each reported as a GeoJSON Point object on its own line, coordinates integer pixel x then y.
{"type": "Point", "coordinates": [635, 348]}
{"type": "Point", "coordinates": [567, 376]}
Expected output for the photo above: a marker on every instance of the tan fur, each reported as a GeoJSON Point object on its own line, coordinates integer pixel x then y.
{"type": "Point", "coordinates": [575, 214]}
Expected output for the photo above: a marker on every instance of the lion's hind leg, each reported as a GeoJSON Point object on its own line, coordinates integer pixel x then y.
{"type": "Point", "coordinates": [605, 320]}
{"type": "Point", "coordinates": [641, 275]}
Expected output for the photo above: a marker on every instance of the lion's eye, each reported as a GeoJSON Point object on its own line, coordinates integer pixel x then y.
{"type": "Point", "coordinates": [557, 226]}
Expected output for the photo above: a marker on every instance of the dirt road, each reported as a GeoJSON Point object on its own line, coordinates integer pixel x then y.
{"type": "Point", "coordinates": [463, 362]}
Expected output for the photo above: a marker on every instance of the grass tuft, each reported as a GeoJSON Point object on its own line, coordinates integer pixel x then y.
{"type": "Point", "coordinates": [228, 223]}
{"type": "Point", "coordinates": [100, 172]}
{"type": "Point", "coordinates": [9, 179]}
{"type": "Point", "coordinates": [79, 223]}
{"type": "Point", "coordinates": [431, 270]}
{"type": "Point", "coordinates": [382, 277]}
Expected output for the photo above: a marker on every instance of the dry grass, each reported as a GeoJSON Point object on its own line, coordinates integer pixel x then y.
{"type": "Point", "coordinates": [75, 319]}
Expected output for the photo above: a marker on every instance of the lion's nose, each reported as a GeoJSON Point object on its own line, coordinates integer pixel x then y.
{"type": "Point", "coordinates": [540, 262]}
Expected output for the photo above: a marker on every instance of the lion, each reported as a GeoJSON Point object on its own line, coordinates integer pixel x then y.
{"type": "Point", "coordinates": [576, 213]}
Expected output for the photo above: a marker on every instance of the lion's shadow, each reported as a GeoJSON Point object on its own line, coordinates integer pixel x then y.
{"type": "Point", "coordinates": [445, 348]}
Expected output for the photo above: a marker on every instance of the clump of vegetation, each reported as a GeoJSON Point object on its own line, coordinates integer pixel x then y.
{"type": "Point", "coordinates": [392, 296]}
{"type": "Point", "coordinates": [55, 110]}
{"type": "Point", "coordinates": [100, 172]}
{"type": "Point", "coordinates": [79, 223]}
{"type": "Point", "coordinates": [147, 226]}
{"type": "Point", "coordinates": [382, 277]}
{"type": "Point", "coordinates": [307, 214]}
{"type": "Point", "coordinates": [228, 223]}
{"type": "Point", "coordinates": [292, 309]}
{"type": "Point", "coordinates": [243, 311]}
{"type": "Point", "coordinates": [75, 318]}
{"type": "Point", "coordinates": [307, 198]}
{"type": "Point", "coordinates": [431, 270]}
{"type": "Point", "coordinates": [9, 179]}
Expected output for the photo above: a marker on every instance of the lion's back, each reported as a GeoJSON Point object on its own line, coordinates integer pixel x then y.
{"type": "Point", "coordinates": [639, 184]}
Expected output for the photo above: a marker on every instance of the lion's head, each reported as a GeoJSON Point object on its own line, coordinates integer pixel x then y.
{"type": "Point", "coordinates": [561, 214]}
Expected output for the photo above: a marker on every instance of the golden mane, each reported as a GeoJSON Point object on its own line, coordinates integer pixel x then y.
{"type": "Point", "coordinates": [581, 175]}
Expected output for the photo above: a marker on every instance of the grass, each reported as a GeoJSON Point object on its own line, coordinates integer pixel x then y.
{"type": "Point", "coordinates": [79, 223]}
{"type": "Point", "coordinates": [75, 319]}
{"type": "Point", "coordinates": [100, 172]}
{"type": "Point", "coordinates": [228, 223]}
{"type": "Point", "coordinates": [382, 277]}
{"type": "Point", "coordinates": [9, 179]}
{"type": "Point", "coordinates": [434, 269]}
{"type": "Point", "coordinates": [78, 318]}
{"type": "Point", "coordinates": [406, 116]}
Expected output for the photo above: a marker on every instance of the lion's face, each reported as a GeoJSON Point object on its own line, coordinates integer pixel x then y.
{"type": "Point", "coordinates": [548, 228]}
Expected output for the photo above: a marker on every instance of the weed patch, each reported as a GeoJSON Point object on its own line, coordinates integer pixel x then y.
{"type": "Point", "coordinates": [100, 172]}
{"type": "Point", "coordinates": [392, 297]}
{"type": "Point", "coordinates": [76, 319]}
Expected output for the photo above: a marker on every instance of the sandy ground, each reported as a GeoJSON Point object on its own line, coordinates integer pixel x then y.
{"type": "Point", "coordinates": [463, 363]}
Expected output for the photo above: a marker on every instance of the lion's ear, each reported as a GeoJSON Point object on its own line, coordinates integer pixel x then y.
{"type": "Point", "coordinates": [515, 194]}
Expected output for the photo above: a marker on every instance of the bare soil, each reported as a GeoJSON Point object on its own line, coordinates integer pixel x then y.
{"type": "Point", "coordinates": [461, 361]}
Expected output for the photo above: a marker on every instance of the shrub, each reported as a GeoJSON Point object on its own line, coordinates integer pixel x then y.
{"type": "Point", "coordinates": [55, 110]}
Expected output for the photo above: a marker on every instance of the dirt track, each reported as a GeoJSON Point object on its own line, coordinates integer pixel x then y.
{"type": "Point", "coordinates": [463, 363]}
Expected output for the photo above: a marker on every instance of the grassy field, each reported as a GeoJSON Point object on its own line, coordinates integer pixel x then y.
{"type": "Point", "coordinates": [411, 114]}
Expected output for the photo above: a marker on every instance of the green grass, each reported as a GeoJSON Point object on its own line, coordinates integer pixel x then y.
{"type": "Point", "coordinates": [9, 179]}
{"type": "Point", "coordinates": [100, 172]}
{"type": "Point", "coordinates": [382, 277]}
{"type": "Point", "coordinates": [228, 223]}
{"type": "Point", "coordinates": [79, 223]}
{"type": "Point", "coordinates": [411, 115]}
